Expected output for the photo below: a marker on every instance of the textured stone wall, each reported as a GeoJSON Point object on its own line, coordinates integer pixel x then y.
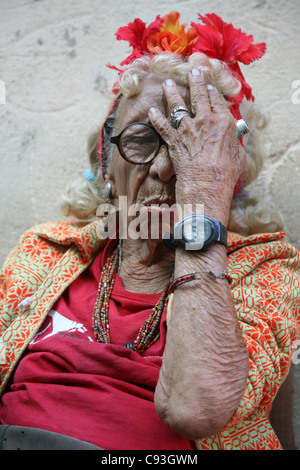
{"type": "Point", "coordinates": [53, 76]}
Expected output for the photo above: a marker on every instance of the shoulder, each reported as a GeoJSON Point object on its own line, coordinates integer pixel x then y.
{"type": "Point", "coordinates": [58, 232]}
{"type": "Point", "coordinates": [268, 253]}
{"type": "Point", "coordinates": [260, 247]}
{"type": "Point", "coordinates": [236, 241]}
{"type": "Point", "coordinates": [43, 244]}
{"type": "Point", "coordinates": [50, 236]}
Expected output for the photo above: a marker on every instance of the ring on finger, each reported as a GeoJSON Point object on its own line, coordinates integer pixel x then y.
{"type": "Point", "coordinates": [242, 128]}
{"type": "Point", "coordinates": [177, 114]}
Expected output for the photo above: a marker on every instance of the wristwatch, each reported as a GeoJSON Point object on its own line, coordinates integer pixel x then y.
{"type": "Point", "coordinates": [196, 232]}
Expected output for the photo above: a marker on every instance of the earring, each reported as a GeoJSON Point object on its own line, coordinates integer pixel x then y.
{"type": "Point", "coordinates": [108, 194]}
{"type": "Point", "coordinates": [108, 191]}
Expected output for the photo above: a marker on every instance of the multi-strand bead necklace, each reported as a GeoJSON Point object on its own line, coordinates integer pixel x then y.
{"type": "Point", "coordinates": [149, 331]}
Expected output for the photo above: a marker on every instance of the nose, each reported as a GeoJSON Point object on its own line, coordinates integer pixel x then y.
{"type": "Point", "coordinates": [162, 166]}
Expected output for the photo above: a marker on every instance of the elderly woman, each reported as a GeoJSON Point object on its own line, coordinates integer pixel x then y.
{"type": "Point", "coordinates": [126, 340]}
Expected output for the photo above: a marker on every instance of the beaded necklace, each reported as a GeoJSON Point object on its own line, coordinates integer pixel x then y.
{"type": "Point", "coordinates": [149, 331]}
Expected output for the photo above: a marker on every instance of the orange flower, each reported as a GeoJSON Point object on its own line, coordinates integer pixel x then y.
{"type": "Point", "coordinates": [172, 37]}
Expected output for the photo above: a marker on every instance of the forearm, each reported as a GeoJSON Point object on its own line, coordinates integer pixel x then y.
{"type": "Point", "coordinates": [205, 363]}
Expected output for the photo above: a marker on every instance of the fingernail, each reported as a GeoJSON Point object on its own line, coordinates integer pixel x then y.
{"type": "Point", "coordinates": [153, 110]}
{"type": "Point", "coordinates": [196, 72]}
{"type": "Point", "coordinates": [209, 86]}
{"type": "Point", "coordinates": [169, 82]}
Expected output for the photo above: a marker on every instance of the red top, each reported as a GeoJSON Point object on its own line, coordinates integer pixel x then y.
{"type": "Point", "coordinates": [69, 383]}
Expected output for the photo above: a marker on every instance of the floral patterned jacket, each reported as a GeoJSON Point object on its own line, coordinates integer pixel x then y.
{"type": "Point", "coordinates": [265, 290]}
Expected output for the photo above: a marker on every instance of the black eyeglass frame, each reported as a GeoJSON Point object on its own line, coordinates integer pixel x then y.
{"type": "Point", "coordinates": [116, 140]}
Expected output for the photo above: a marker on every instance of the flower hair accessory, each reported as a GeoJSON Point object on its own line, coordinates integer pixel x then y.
{"type": "Point", "coordinates": [213, 37]}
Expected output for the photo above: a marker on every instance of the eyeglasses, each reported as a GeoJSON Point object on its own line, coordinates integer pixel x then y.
{"type": "Point", "coordinates": [138, 143]}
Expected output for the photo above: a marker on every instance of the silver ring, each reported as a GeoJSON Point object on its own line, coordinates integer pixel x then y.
{"type": "Point", "coordinates": [242, 128]}
{"type": "Point", "coordinates": [177, 114]}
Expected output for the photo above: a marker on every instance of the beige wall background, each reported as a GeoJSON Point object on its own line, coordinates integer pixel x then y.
{"type": "Point", "coordinates": [53, 57]}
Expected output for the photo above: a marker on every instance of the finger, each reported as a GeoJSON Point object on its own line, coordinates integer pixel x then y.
{"type": "Point", "coordinates": [218, 105]}
{"type": "Point", "coordinates": [172, 95]}
{"type": "Point", "coordinates": [161, 124]}
{"type": "Point", "coordinates": [199, 94]}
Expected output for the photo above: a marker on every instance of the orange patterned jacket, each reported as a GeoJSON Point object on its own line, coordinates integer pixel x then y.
{"type": "Point", "coordinates": [265, 290]}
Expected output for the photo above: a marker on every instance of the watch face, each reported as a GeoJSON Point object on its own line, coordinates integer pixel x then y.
{"type": "Point", "coordinates": [196, 230]}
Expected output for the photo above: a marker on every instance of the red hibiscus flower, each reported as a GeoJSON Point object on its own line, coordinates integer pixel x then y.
{"type": "Point", "coordinates": [136, 34]}
{"type": "Point", "coordinates": [222, 41]}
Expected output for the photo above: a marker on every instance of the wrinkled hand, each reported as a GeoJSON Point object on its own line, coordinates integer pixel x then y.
{"type": "Point", "coordinates": [207, 157]}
